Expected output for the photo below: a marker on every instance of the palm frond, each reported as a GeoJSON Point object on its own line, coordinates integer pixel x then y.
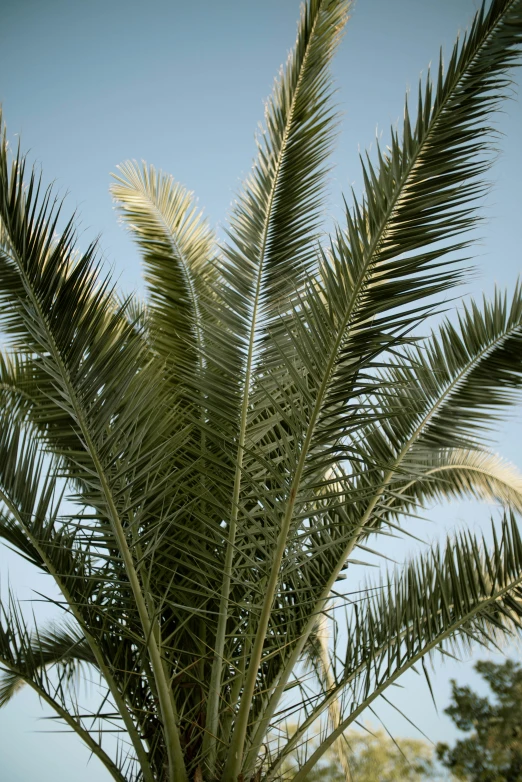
{"type": "Point", "coordinates": [443, 396]}
{"type": "Point", "coordinates": [60, 646]}
{"type": "Point", "coordinates": [23, 660]}
{"type": "Point", "coordinates": [448, 378]}
{"type": "Point", "coordinates": [29, 491]}
{"type": "Point", "coordinates": [393, 254]}
{"type": "Point", "coordinates": [454, 474]}
{"type": "Point", "coordinates": [469, 592]}
{"type": "Point", "coordinates": [64, 313]}
{"type": "Point", "coordinates": [69, 552]}
{"type": "Point", "coordinates": [456, 384]}
{"type": "Point", "coordinates": [283, 193]}
{"type": "Point", "coordinates": [179, 253]}
{"type": "Point", "coordinates": [374, 287]}
{"type": "Point", "coordinates": [15, 388]}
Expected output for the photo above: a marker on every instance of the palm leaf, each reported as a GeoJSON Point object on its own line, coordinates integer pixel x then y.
{"type": "Point", "coordinates": [453, 474]}
{"type": "Point", "coordinates": [178, 250]}
{"type": "Point", "coordinates": [392, 256]}
{"type": "Point", "coordinates": [283, 193]}
{"type": "Point", "coordinates": [63, 646]}
{"type": "Point", "coordinates": [400, 463]}
{"type": "Point", "coordinates": [443, 400]}
{"type": "Point", "coordinates": [78, 349]}
{"type": "Point", "coordinates": [457, 383]}
{"type": "Point", "coordinates": [23, 661]}
{"type": "Point", "coordinates": [447, 599]}
{"type": "Point", "coordinates": [70, 553]}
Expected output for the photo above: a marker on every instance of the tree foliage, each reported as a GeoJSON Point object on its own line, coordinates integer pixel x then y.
{"type": "Point", "coordinates": [230, 445]}
{"type": "Point", "coordinates": [492, 752]}
{"type": "Point", "coordinates": [374, 756]}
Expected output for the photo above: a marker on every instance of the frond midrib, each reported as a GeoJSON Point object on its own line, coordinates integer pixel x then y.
{"type": "Point", "coordinates": [160, 675]}
{"type": "Point", "coordinates": [220, 635]}
{"type": "Point", "coordinates": [283, 678]}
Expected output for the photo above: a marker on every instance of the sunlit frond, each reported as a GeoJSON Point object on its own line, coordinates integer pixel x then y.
{"type": "Point", "coordinates": [179, 253]}
{"type": "Point", "coordinates": [457, 473]}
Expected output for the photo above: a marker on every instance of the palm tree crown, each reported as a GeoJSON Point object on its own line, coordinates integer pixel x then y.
{"type": "Point", "coordinates": [229, 445]}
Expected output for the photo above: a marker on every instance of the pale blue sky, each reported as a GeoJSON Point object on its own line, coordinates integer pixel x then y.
{"type": "Point", "coordinates": [181, 85]}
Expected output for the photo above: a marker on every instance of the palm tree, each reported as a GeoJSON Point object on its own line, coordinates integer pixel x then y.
{"type": "Point", "coordinates": [195, 472]}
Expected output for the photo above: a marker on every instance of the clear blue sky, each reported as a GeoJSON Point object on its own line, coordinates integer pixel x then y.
{"type": "Point", "coordinates": [181, 85]}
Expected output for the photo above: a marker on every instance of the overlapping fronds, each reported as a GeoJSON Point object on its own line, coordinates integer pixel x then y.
{"type": "Point", "coordinates": [114, 400]}
{"type": "Point", "coordinates": [373, 288]}
{"type": "Point", "coordinates": [393, 253]}
{"type": "Point", "coordinates": [71, 551]}
{"type": "Point", "coordinates": [282, 197]}
{"type": "Point", "coordinates": [468, 592]}
{"type": "Point", "coordinates": [228, 447]}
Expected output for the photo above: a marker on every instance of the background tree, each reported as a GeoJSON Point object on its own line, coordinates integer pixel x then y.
{"type": "Point", "coordinates": [229, 447]}
{"type": "Point", "coordinates": [493, 750]}
{"type": "Point", "coordinates": [374, 756]}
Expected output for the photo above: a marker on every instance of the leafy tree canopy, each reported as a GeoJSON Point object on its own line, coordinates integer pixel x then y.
{"type": "Point", "coordinates": [493, 750]}
{"type": "Point", "coordinates": [375, 756]}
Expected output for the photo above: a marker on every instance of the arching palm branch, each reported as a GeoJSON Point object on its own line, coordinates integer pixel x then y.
{"type": "Point", "coordinates": [232, 442]}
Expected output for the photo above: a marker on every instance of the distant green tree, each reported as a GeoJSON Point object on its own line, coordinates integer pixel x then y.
{"type": "Point", "coordinates": [493, 750]}
{"type": "Point", "coordinates": [376, 757]}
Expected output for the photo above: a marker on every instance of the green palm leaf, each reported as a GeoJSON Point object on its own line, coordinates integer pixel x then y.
{"type": "Point", "coordinates": [78, 349]}
{"type": "Point", "coordinates": [450, 377]}
{"type": "Point", "coordinates": [24, 660]}
{"type": "Point", "coordinates": [464, 376]}
{"type": "Point", "coordinates": [283, 193]}
{"type": "Point", "coordinates": [178, 250]}
{"type": "Point", "coordinates": [30, 524]}
{"type": "Point", "coordinates": [61, 646]}
{"type": "Point", "coordinates": [456, 473]}
{"type": "Point", "coordinates": [445, 600]}
{"type": "Point", "coordinates": [420, 196]}
{"type": "Point", "coordinates": [197, 471]}
{"type": "Point", "coordinates": [446, 393]}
